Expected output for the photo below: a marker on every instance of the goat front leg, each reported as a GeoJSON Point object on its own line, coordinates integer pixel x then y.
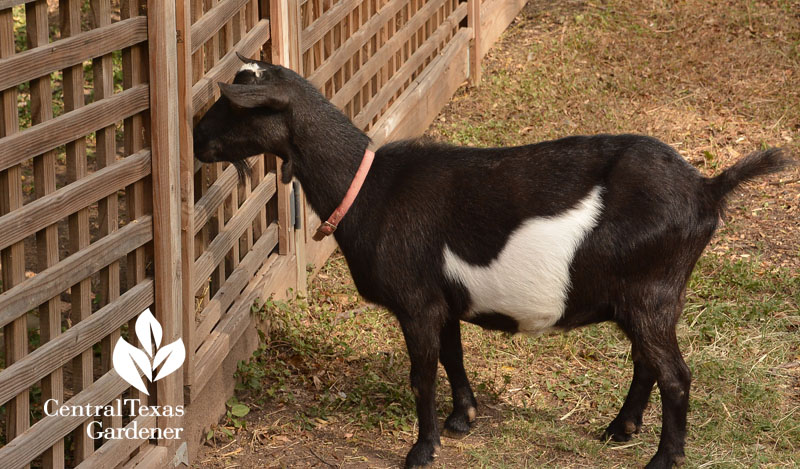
{"type": "Point", "coordinates": [459, 422]}
{"type": "Point", "coordinates": [423, 350]}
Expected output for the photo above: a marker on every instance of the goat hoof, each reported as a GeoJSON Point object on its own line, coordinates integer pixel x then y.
{"type": "Point", "coordinates": [421, 454]}
{"type": "Point", "coordinates": [621, 430]}
{"type": "Point", "coordinates": [665, 460]}
{"type": "Point", "coordinates": [457, 425]}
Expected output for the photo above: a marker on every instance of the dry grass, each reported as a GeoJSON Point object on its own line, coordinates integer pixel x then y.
{"type": "Point", "coordinates": [714, 79]}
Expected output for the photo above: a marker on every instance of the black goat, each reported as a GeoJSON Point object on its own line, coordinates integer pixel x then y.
{"type": "Point", "coordinates": [557, 234]}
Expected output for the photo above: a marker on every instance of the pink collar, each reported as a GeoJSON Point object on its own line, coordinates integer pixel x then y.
{"type": "Point", "coordinates": [329, 226]}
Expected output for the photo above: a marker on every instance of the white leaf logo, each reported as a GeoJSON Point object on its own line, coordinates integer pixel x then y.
{"type": "Point", "coordinates": [172, 355]}
{"type": "Point", "coordinates": [130, 362]}
{"type": "Point", "coordinates": [145, 326]}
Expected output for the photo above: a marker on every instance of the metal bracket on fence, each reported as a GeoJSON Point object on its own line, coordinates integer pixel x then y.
{"type": "Point", "coordinates": [181, 456]}
{"type": "Point", "coordinates": [295, 206]}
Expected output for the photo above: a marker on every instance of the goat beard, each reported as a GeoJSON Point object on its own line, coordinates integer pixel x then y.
{"type": "Point", "coordinates": [287, 171]}
{"type": "Point", "coordinates": [242, 169]}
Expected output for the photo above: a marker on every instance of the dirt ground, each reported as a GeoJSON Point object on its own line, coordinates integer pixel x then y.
{"type": "Point", "coordinates": [715, 79]}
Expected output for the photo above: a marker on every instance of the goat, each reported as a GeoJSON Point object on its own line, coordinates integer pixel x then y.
{"type": "Point", "coordinates": [553, 235]}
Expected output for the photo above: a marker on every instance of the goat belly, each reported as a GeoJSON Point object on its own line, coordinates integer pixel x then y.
{"type": "Point", "coordinates": [529, 280]}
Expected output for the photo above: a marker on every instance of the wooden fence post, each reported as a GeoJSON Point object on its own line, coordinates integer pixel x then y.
{"type": "Point", "coordinates": [166, 192]}
{"type": "Point", "coordinates": [185, 121]}
{"type": "Point", "coordinates": [285, 33]}
{"type": "Point", "coordinates": [474, 22]}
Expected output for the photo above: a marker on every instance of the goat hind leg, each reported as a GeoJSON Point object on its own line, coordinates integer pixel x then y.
{"type": "Point", "coordinates": [458, 423]}
{"type": "Point", "coordinates": [674, 380]}
{"type": "Point", "coordinates": [629, 419]}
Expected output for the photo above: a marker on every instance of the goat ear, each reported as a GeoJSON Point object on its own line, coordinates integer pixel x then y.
{"type": "Point", "coordinates": [253, 96]}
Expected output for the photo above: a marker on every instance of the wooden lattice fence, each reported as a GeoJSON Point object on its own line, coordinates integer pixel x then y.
{"type": "Point", "coordinates": [104, 212]}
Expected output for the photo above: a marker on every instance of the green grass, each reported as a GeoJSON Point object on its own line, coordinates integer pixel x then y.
{"type": "Point", "coordinates": [549, 397]}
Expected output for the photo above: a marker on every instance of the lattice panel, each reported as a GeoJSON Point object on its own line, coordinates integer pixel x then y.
{"type": "Point", "coordinates": [235, 222]}
{"type": "Point", "coordinates": [363, 54]}
{"type": "Point", "coordinates": [75, 217]}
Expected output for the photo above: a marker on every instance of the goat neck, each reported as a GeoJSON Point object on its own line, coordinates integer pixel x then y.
{"type": "Point", "coordinates": [328, 151]}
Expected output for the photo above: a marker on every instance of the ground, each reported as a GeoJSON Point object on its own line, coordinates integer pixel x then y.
{"type": "Point", "coordinates": [715, 79]}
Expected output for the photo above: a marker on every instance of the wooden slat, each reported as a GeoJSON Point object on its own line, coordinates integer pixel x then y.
{"type": "Point", "coordinates": [183, 23]}
{"type": "Point", "coordinates": [404, 73]}
{"type": "Point", "coordinates": [203, 92]}
{"type": "Point", "coordinates": [108, 207]}
{"type": "Point", "coordinates": [64, 128]}
{"type": "Point", "coordinates": [212, 21]}
{"type": "Point", "coordinates": [80, 293]}
{"type": "Point", "coordinates": [216, 225]}
{"type": "Point", "coordinates": [75, 340]}
{"type": "Point", "coordinates": [44, 177]}
{"type": "Point", "coordinates": [52, 207]}
{"type": "Point", "coordinates": [134, 68]}
{"type": "Point", "coordinates": [236, 281]}
{"type": "Point", "coordinates": [163, 69]}
{"type": "Point", "coordinates": [23, 449]}
{"type": "Point", "coordinates": [110, 453]}
{"type": "Point", "coordinates": [15, 301]}
{"type": "Point", "coordinates": [208, 204]}
{"type": "Point", "coordinates": [324, 23]}
{"type": "Point", "coordinates": [206, 263]}
{"type": "Point", "coordinates": [365, 73]}
{"type": "Point", "coordinates": [47, 58]}
{"type": "Point", "coordinates": [12, 259]}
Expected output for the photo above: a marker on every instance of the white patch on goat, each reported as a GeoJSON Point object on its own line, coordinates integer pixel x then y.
{"type": "Point", "coordinates": [529, 280]}
{"type": "Point", "coordinates": [253, 68]}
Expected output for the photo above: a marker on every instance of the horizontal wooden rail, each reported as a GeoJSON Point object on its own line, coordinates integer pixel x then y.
{"type": "Point", "coordinates": [403, 74]}
{"type": "Point", "coordinates": [75, 340]}
{"type": "Point", "coordinates": [49, 283]}
{"type": "Point", "coordinates": [213, 20]}
{"type": "Point", "coordinates": [235, 227]}
{"type": "Point", "coordinates": [48, 210]}
{"type": "Point", "coordinates": [149, 456]}
{"type": "Point", "coordinates": [26, 447]}
{"type": "Point", "coordinates": [65, 128]}
{"type": "Point", "coordinates": [109, 454]}
{"type": "Point", "coordinates": [379, 59]}
{"type": "Point", "coordinates": [12, 3]}
{"type": "Point", "coordinates": [328, 20]}
{"type": "Point", "coordinates": [237, 281]}
{"type": "Point", "coordinates": [225, 335]}
{"type": "Point", "coordinates": [206, 207]}
{"type": "Point", "coordinates": [354, 43]}
{"type": "Point", "coordinates": [43, 60]}
{"type": "Point", "coordinates": [495, 17]}
{"type": "Point", "coordinates": [203, 91]}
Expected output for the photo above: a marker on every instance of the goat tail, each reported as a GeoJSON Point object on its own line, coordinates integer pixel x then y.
{"type": "Point", "coordinates": [755, 164]}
